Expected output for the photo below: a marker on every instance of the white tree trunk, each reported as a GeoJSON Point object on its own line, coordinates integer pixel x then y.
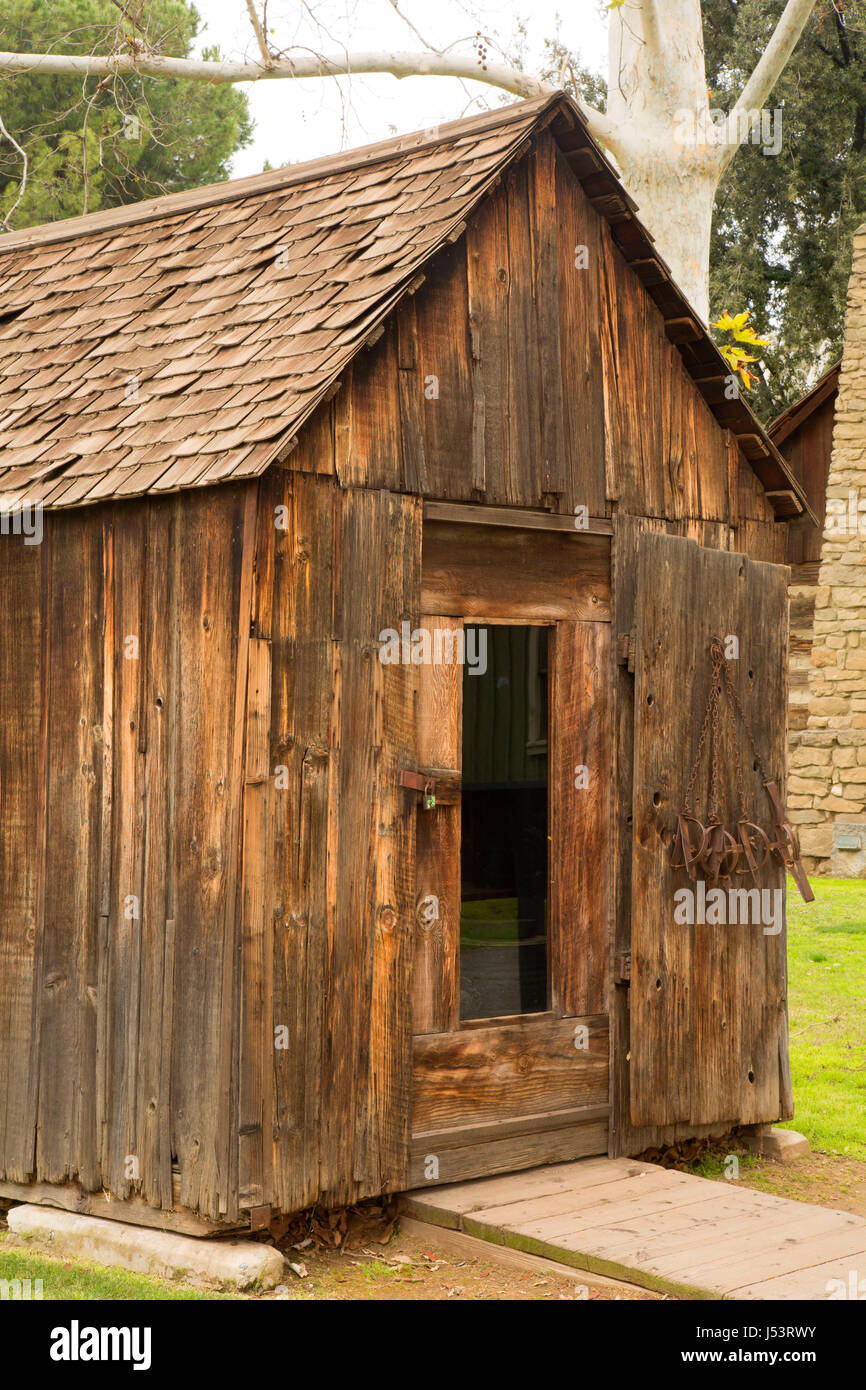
{"type": "Point", "coordinates": [676, 206]}
{"type": "Point", "coordinates": [671, 154]}
{"type": "Point", "coordinates": [657, 98]}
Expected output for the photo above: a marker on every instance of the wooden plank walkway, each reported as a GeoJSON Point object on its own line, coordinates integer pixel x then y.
{"type": "Point", "coordinates": [658, 1228]}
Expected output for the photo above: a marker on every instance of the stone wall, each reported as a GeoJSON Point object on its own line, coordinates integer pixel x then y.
{"type": "Point", "coordinates": [827, 779]}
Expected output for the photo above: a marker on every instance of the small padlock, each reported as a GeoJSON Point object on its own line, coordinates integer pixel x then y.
{"type": "Point", "coordinates": [427, 797]}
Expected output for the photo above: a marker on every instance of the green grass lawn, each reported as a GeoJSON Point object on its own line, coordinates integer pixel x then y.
{"type": "Point", "coordinates": [65, 1279]}
{"type": "Point", "coordinates": [827, 1008]}
{"type": "Point", "coordinates": [492, 921]}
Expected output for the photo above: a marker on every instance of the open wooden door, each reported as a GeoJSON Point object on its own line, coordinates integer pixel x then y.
{"type": "Point", "coordinates": [511, 932]}
{"type": "Point", "coordinates": [708, 1008]}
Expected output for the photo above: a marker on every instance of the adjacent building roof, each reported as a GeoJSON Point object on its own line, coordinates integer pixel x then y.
{"type": "Point", "coordinates": [183, 341]}
{"type": "Point", "coordinates": [791, 419]}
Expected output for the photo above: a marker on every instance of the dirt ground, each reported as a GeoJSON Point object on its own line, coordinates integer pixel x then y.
{"type": "Point", "coordinates": [412, 1268]}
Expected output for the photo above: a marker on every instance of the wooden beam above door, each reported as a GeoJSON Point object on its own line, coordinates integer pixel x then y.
{"type": "Point", "coordinates": [480, 515]}
{"type": "Point", "coordinates": [501, 574]}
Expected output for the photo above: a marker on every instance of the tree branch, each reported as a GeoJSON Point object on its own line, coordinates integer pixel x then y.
{"type": "Point", "coordinates": [202, 70]}
{"type": "Point", "coordinates": [259, 33]}
{"type": "Point", "coordinates": [407, 21]}
{"type": "Point", "coordinates": [5, 221]}
{"type": "Point", "coordinates": [839, 26]}
{"type": "Point", "coordinates": [399, 65]}
{"type": "Point", "coordinates": [135, 23]}
{"type": "Point", "coordinates": [834, 57]}
{"type": "Point", "coordinates": [769, 69]}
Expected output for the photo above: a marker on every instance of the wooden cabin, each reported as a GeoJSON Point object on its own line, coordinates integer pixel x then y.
{"type": "Point", "coordinates": [286, 918]}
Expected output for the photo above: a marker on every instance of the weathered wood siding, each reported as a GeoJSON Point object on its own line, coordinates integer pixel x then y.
{"type": "Point", "coordinates": [128, 785]}
{"type": "Point", "coordinates": [22, 835]}
{"type": "Point", "coordinates": [338, 840]}
{"type": "Point", "coordinates": [808, 451]}
{"type": "Point", "coordinates": [531, 368]}
{"type": "Point", "coordinates": [167, 900]}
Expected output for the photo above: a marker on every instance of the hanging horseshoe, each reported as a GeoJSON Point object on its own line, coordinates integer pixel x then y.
{"type": "Point", "coordinates": [713, 848]}
{"type": "Point", "coordinates": [714, 852]}
{"type": "Point", "coordinates": [730, 859]}
{"type": "Point", "coordinates": [753, 839]}
{"type": "Point", "coordinates": [721, 852]}
{"type": "Point", "coordinates": [690, 848]}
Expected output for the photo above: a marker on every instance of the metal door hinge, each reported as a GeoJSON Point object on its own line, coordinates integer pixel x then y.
{"type": "Point", "coordinates": [622, 968]}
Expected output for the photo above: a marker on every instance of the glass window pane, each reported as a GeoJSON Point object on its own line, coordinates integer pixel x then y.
{"type": "Point", "coordinates": [504, 838]}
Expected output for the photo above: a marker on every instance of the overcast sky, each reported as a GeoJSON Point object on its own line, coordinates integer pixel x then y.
{"type": "Point", "coordinates": [301, 120]}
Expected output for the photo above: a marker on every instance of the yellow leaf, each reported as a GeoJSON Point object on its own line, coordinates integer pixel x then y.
{"type": "Point", "coordinates": [736, 355]}
{"type": "Point", "coordinates": [748, 335]}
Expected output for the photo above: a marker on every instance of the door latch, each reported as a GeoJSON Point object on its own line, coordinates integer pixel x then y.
{"type": "Point", "coordinates": [425, 785]}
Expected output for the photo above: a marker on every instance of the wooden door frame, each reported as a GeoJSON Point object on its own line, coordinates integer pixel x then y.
{"type": "Point", "coordinates": [552, 1101]}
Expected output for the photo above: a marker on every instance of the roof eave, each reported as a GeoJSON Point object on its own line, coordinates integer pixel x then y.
{"type": "Point", "coordinates": [799, 412]}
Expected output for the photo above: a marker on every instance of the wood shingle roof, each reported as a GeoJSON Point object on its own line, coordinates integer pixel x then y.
{"type": "Point", "coordinates": [185, 340]}
{"type": "Point", "coordinates": [796, 414]}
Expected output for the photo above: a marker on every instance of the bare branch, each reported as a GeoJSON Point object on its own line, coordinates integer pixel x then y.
{"type": "Point", "coordinates": [85, 168]}
{"type": "Point", "coordinates": [203, 70]}
{"type": "Point", "coordinates": [23, 153]}
{"type": "Point", "coordinates": [259, 33]}
{"type": "Point", "coordinates": [406, 20]}
{"type": "Point", "coordinates": [769, 69]}
{"type": "Point", "coordinates": [136, 24]}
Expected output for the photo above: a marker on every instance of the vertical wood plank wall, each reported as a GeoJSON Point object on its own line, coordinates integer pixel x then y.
{"type": "Point", "coordinates": [808, 451]}
{"type": "Point", "coordinates": [580, 733]}
{"type": "Point", "coordinates": [22, 806]}
{"type": "Point", "coordinates": [185, 904]}
{"type": "Point", "coordinates": [342, 566]}
{"type": "Point", "coordinates": [436, 945]}
{"type": "Point", "coordinates": [124, 1005]}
